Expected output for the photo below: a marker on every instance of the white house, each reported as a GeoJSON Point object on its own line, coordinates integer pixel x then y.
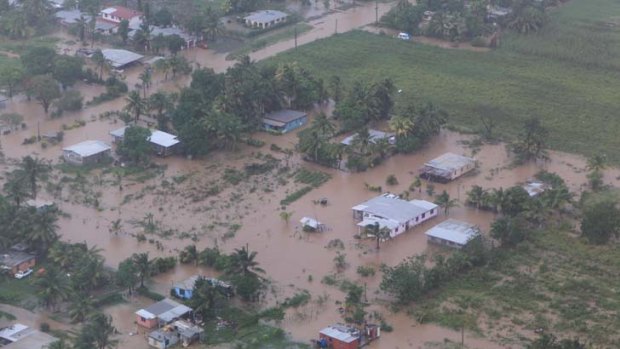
{"type": "Point", "coordinates": [447, 167]}
{"type": "Point", "coordinates": [394, 213]}
{"type": "Point", "coordinates": [163, 143]}
{"type": "Point", "coordinates": [265, 19]}
{"type": "Point", "coordinates": [18, 336]}
{"type": "Point", "coordinates": [375, 135]}
{"type": "Point", "coordinates": [116, 14]}
{"type": "Point", "coordinates": [87, 152]}
{"type": "Point", "coordinates": [452, 233]}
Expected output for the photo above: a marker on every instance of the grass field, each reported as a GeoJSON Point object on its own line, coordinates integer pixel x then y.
{"type": "Point", "coordinates": [555, 282]}
{"type": "Point", "coordinates": [569, 75]}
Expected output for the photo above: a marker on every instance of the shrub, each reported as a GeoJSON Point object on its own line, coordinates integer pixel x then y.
{"type": "Point", "coordinates": [44, 327]}
{"type": "Point", "coordinates": [365, 271]}
{"type": "Point", "coordinates": [391, 180]}
{"type": "Point", "coordinates": [479, 41]}
{"type": "Point", "coordinates": [70, 101]}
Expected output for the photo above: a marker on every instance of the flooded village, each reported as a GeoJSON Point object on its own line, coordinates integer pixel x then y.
{"type": "Point", "coordinates": [325, 234]}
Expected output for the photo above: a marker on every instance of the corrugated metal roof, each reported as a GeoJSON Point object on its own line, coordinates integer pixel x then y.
{"type": "Point", "coordinates": [88, 148]}
{"type": "Point", "coordinates": [391, 207]}
{"type": "Point", "coordinates": [455, 231]}
{"type": "Point", "coordinates": [375, 135]}
{"type": "Point", "coordinates": [119, 58]}
{"type": "Point", "coordinates": [265, 16]}
{"type": "Point", "coordinates": [163, 139]}
{"type": "Point", "coordinates": [450, 162]}
{"type": "Point", "coordinates": [284, 116]}
{"type": "Point", "coordinates": [340, 332]}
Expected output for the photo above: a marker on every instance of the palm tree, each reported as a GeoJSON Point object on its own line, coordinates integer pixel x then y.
{"type": "Point", "coordinates": [444, 201]}
{"type": "Point", "coordinates": [15, 24]}
{"type": "Point", "coordinates": [213, 27]}
{"type": "Point", "coordinates": [311, 143]}
{"type": "Point", "coordinates": [476, 196]}
{"type": "Point", "coordinates": [323, 126]}
{"type": "Point", "coordinates": [16, 190]}
{"type": "Point", "coordinates": [146, 77]}
{"type": "Point", "coordinates": [99, 60]}
{"type": "Point", "coordinates": [163, 65]}
{"type": "Point", "coordinates": [59, 344]}
{"type": "Point", "coordinates": [143, 265]}
{"type": "Point", "coordinates": [51, 287]}
{"type": "Point", "coordinates": [496, 198]}
{"type": "Point", "coordinates": [42, 231]}
{"type": "Point", "coordinates": [401, 125]}
{"type": "Point", "coordinates": [31, 170]}
{"type": "Point", "coordinates": [362, 141]}
{"type": "Point", "coordinates": [189, 254]}
{"type": "Point", "coordinates": [161, 102]}
{"type": "Point", "coordinates": [101, 330]}
{"type": "Point", "coordinates": [428, 121]}
{"type": "Point", "coordinates": [81, 24]}
{"type": "Point", "coordinates": [242, 262]}
{"type": "Point", "coordinates": [379, 233]}
{"type": "Point", "coordinates": [80, 308]}
{"type": "Point", "coordinates": [203, 297]}
{"type": "Point", "coordinates": [135, 105]}
{"type": "Point", "coordinates": [286, 216]}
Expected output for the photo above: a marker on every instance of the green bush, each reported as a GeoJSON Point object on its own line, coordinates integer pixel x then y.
{"type": "Point", "coordinates": [70, 101]}
{"type": "Point", "coordinates": [365, 271]}
{"type": "Point", "coordinates": [479, 42]}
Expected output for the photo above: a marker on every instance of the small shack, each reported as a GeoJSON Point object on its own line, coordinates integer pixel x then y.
{"type": "Point", "coordinates": [284, 121]}
{"type": "Point", "coordinates": [120, 58]}
{"type": "Point", "coordinates": [311, 224]}
{"type": "Point", "coordinates": [163, 143]}
{"type": "Point", "coordinates": [184, 289]}
{"type": "Point", "coordinates": [19, 336]}
{"type": "Point", "coordinates": [264, 19]}
{"type": "Point", "coordinates": [447, 167]}
{"type": "Point", "coordinates": [375, 135]}
{"type": "Point", "coordinates": [40, 205]}
{"type": "Point", "coordinates": [14, 261]}
{"type": "Point", "coordinates": [161, 313]}
{"type": "Point", "coordinates": [179, 331]}
{"type": "Point", "coordinates": [452, 233]}
{"type": "Point", "coordinates": [535, 188]}
{"type": "Point", "coordinates": [87, 152]}
{"type": "Point", "coordinates": [341, 336]}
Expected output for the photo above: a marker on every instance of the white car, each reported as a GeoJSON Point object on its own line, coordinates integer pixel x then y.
{"type": "Point", "coordinates": [23, 273]}
{"type": "Point", "coordinates": [404, 36]}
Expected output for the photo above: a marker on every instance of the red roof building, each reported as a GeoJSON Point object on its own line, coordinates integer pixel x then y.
{"type": "Point", "coordinates": [118, 13]}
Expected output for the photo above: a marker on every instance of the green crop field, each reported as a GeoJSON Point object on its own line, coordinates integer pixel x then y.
{"type": "Point", "coordinates": [568, 74]}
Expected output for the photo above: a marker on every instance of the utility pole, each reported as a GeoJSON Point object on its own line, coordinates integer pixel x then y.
{"type": "Point", "coordinates": [295, 36]}
{"type": "Point", "coordinates": [376, 12]}
{"type": "Point", "coordinates": [336, 29]}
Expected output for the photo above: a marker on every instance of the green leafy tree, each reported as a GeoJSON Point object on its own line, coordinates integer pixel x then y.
{"type": "Point", "coordinates": [175, 44]}
{"type": "Point", "coordinates": [135, 146]}
{"type": "Point", "coordinates": [97, 333]}
{"type": "Point", "coordinates": [31, 170]}
{"type": "Point", "coordinates": [162, 103]}
{"type": "Point", "coordinates": [80, 308]}
{"type": "Point", "coordinates": [379, 233]}
{"type": "Point", "coordinates": [81, 25]}
{"type": "Point", "coordinates": [99, 59]}
{"type": "Point", "coordinates": [42, 232]}
{"type": "Point", "coordinates": [143, 265]}
{"type": "Point", "coordinates": [509, 231]}
{"type": "Point", "coordinates": [11, 76]}
{"type": "Point", "coordinates": [51, 287]}
{"type": "Point", "coordinates": [45, 90]}
{"type": "Point", "coordinates": [163, 17]}
{"type": "Point", "coordinates": [532, 141]}
{"type": "Point", "coordinates": [38, 60]}
{"type": "Point", "coordinates": [15, 25]}
{"type": "Point", "coordinates": [123, 30]}
{"type": "Point", "coordinates": [601, 221]}
{"type": "Point", "coordinates": [146, 77]}
{"type": "Point", "coordinates": [444, 201]}
{"type": "Point", "coordinates": [135, 105]}
{"type": "Point", "coordinates": [405, 281]}
{"type": "Point", "coordinates": [243, 262]}
{"type": "Point", "coordinates": [67, 70]}
{"type": "Point", "coordinates": [127, 275]}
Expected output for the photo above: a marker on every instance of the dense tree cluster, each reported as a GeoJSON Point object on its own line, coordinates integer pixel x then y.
{"type": "Point", "coordinates": [455, 21]}
{"type": "Point", "coordinates": [216, 110]}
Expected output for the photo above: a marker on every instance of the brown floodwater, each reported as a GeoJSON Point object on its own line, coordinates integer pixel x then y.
{"type": "Point", "coordinates": [289, 256]}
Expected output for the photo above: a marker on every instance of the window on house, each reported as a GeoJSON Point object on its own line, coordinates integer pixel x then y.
{"type": "Point", "coordinates": [181, 292]}
{"type": "Point", "coordinates": [432, 211]}
{"type": "Point", "coordinates": [423, 215]}
{"type": "Point", "coordinates": [142, 319]}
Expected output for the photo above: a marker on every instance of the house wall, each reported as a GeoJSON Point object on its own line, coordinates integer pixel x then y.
{"type": "Point", "coordinates": [72, 157]}
{"type": "Point", "coordinates": [336, 344]}
{"type": "Point", "coordinates": [154, 343]}
{"type": "Point", "coordinates": [402, 227]}
{"type": "Point", "coordinates": [463, 170]}
{"type": "Point", "coordinates": [147, 323]}
{"type": "Point", "coordinates": [295, 124]}
{"type": "Point", "coordinates": [182, 293]}
{"type": "Point", "coordinates": [444, 242]}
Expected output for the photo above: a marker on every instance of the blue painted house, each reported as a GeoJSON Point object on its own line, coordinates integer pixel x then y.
{"type": "Point", "coordinates": [185, 288]}
{"type": "Point", "coordinates": [284, 121]}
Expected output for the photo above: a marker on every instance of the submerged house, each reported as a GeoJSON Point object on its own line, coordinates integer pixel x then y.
{"type": "Point", "coordinates": [116, 14]}
{"type": "Point", "coordinates": [179, 331]}
{"type": "Point", "coordinates": [452, 233]}
{"type": "Point", "coordinates": [184, 289]}
{"type": "Point", "coordinates": [535, 188]}
{"type": "Point", "coordinates": [375, 135]}
{"type": "Point", "coordinates": [19, 336]}
{"type": "Point", "coordinates": [390, 211]}
{"type": "Point", "coordinates": [341, 336]}
{"type": "Point", "coordinates": [120, 58]}
{"type": "Point", "coordinates": [284, 121]}
{"type": "Point", "coordinates": [264, 19]}
{"type": "Point", "coordinates": [87, 152]}
{"type": "Point", "coordinates": [16, 260]}
{"type": "Point", "coordinates": [447, 167]}
{"type": "Point", "coordinates": [163, 143]}
{"type": "Point", "coordinates": [161, 313]}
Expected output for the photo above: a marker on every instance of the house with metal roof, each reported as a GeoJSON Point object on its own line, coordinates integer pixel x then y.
{"type": "Point", "coordinates": [116, 14]}
{"type": "Point", "coordinates": [340, 336]}
{"type": "Point", "coordinates": [284, 121]}
{"type": "Point", "coordinates": [70, 17]}
{"type": "Point", "coordinates": [120, 58]}
{"type": "Point", "coordinates": [375, 135]}
{"type": "Point", "coordinates": [15, 261]}
{"type": "Point", "coordinates": [265, 19]}
{"type": "Point", "coordinates": [452, 233]}
{"type": "Point", "coordinates": [161, 313]}
{"type": "Point", "coordinates": [19, 336]}
{"type": "Point", "coordinates": [391, 212]}
{"type": "Point", "coordinates": [87, 152]}
{"type": "Point", "coordinates": [163, 143]}
{"type": "Point", "coordinates": [178, 331]}
{"type": "Point", "coordinates": [447, 167]}
{"type": "Point", "coordinates": [535, 188]}
{"type": "Point", "coordinates": [185, 289]}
